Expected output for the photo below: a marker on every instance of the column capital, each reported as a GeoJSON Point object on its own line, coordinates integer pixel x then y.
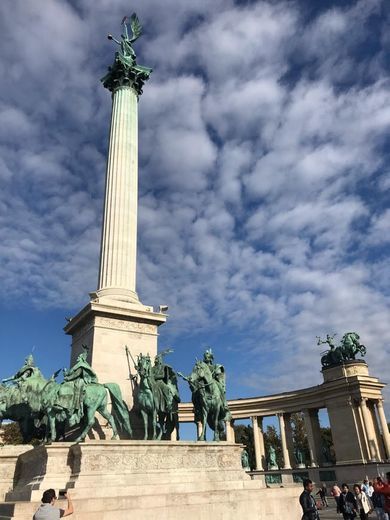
{"type": "Point", "coordinates": [379, 402]}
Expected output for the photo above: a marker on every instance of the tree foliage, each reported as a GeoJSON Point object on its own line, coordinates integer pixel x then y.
{"type": "Point", "coordinates": [11, 434]}
{"type": "Point", "coordinates": [244, 435]}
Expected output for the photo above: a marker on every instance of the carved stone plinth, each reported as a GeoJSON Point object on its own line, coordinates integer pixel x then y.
{"type": "Point", "coordinates": [147, 480]}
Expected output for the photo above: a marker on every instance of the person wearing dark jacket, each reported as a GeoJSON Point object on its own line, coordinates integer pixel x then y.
{"type": "Point", "coordinates": [347, 503]}
{"type": "Point", "coordinates": [308, 504]}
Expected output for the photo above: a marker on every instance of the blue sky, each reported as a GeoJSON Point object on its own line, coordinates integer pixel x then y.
{"type": "Point", "coordinates": [264, 178]}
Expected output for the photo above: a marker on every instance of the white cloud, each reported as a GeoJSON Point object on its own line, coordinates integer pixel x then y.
{"type": "Point", "coordinates": [262, 176]}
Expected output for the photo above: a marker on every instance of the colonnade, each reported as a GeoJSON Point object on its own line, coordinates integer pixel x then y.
{"type": "Point", "coordinates": [373, 427]}
{"type": "Point", "coordinates": [354, 402]}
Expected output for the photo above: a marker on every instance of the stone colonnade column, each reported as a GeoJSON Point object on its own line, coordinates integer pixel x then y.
{"type": "Point", "coordinates": [310, 439]}
{"type": "Point", "coordinates": [117, 272]}
{"type": "Point", "coordinates": [230, 437]}
{"type": "Point", "coordinates": [369, 429]}
{"type": "Point", "coordinates": [289, 438]}
{"type": "Point", "coordinates": [384, 427]}
{"type": "Point", "coordinates": [286, 457]}
{"type": "Point", "coordinates": [258, 440]}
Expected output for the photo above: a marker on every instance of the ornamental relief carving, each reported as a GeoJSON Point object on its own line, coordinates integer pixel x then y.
{"type": "Point", "coordinates": [157, 461]}
{"type": "Point", "coordinates": [130, 326]}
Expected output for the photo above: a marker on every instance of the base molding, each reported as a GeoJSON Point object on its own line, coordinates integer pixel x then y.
{"type": "Point", "coordinates": [166, 480]}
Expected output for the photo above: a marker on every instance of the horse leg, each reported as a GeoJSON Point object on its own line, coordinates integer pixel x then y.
{"type": "Point", "coordinates": [216, 423]}
{"type": "Point", "coordinates": [176, 425]}
{"type": "Point", "coordinates": [90, 421]}
{"type": "Point", "coordinates": [106, 414]}
{"type": "Point", "coordinates": [161, 425]}
{"type": "Point", "coordinates": [202, 436]}
{"type": "Point", "coordinates": [154, 419]}
{"type": "Point", "coordinates": [146, 423]}
{"type": "Point", "coordinates": [51, 427]}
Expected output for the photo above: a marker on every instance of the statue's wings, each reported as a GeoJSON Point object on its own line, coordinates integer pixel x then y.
{"type": "Point", "coordinates": [136, 27]}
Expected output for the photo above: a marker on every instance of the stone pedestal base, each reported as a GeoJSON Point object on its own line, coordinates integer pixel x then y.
{"type": "Point", "coordinates": [8, 457]}
{"type": "Point", "coordinates": [147, 480]}
{"type": "Point", "coordinates": [107, 328]}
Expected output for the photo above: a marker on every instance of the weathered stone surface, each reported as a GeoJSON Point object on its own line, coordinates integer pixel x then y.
{"type": "Point", "coordinates": [8, 457]}
{"type": "Point", "coordinates": [168, 480]}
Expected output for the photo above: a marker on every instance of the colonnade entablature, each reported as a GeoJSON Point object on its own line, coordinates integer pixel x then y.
{"type": "Point", "coordinates": [353, 400]}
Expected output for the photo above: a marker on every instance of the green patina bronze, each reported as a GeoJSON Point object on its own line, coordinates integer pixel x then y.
{"type": "Point", "coordinates": [349, 346]}
{"type": "Point", "coordinates": [125, 71]}
{"type": "Point", "coordinates": [272, 462]}
{"type": "Point", "coordinates": [245, 460]}
{"type": "Point", "coordinates": [157, 396]}
{"type": "Point", "coordinates": [208, 387]}
{"type": "Point", "coordinates": [36, 403]}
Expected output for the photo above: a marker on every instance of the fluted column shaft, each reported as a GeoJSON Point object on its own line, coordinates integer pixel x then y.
{"type": "Point", "coordinates": [384, 427]}
{"type": "Point", "coordinates": [367, 420]}
{"type": "Point", "coordinates": [286, 456]}
{"type": "Point", "coordinates": [310, 439]}
{"type": "Point", "coordinates": [259, 443]}
{"type": "Point", "coordinates": [117, 272]}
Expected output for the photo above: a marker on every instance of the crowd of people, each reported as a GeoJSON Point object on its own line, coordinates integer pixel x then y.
{"type": "Point", "coordinates": [358, 502]}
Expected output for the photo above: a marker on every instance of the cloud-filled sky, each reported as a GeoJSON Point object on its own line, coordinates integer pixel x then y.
{"type": "Point", "coordinates": [264, 178]}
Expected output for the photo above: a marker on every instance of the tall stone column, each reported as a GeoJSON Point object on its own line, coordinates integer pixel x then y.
{"type": "Point", "coordinates": [259, 444]}
{"type": "Point", "coordinates": [114, 317]}
{"type": "Point", "coordinates": [230, 431]}
{"type": "Point", "coordinates": [286, 457]}
{"type": "Point", "coordinates": [118, 253]}
{"type": "Point", "coordinates": [384, 427]}
{"type": "Point", "coordinates": [310, 439]}
{"type": "Point", "coordinates": [289, 438]}
{"type": "Point", "coordinates": [377, 433]}
{"type": "Point", "coordinates": [368, 426]}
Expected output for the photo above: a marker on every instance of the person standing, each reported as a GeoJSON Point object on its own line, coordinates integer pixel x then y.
{"type": "Point", "coordinates": [364, 487]}
{"type": "Point", "coordinates": [336, 492]}
{"type": "Point", "coordinates": [384, 489]}
{"type": "Point", "coordinates": [308, 504]}
{"type": "Point", "coordinates": [378, 502]}
{"type": "Point", "coordinates": [362, 502]}
{"type": "Point", "coordinates": [347, 503]}
{"type": "Point", "coordinates": [47, 511]}
{"type": "Point", "coordinates": [323, 492]}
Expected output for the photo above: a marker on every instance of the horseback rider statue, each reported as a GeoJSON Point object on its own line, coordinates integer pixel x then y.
{"type": "Point", "coordinates": [78, 376]}
{"type": "Point", "coordinates": [166, 380]}
{"type": "Point", "coordinates": [218, 373]}
{"type": "Point", "coordinates": [28, 369]}
{"type": "Point", "coordinates": [208, 387]}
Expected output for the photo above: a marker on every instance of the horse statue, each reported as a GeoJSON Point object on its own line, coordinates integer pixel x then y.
{"type": "Point", "coordinates": [74, 401]}
{"type": "Point", "coordinates": [13, 407]}
{"type": "Point", "coordinates": [350, 344]}
{"type": "Point", "coordinates": [207, 385]}
{"type": "Point", "coordinates": [157, 397]}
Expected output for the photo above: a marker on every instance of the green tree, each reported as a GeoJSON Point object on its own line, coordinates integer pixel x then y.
{"type": "Point", "coordinates": [12, 433]}
{"type": "Point", "coordinates": [244, 435]}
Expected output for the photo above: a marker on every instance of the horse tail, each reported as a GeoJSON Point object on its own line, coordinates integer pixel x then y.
{"type": "Point", "coordinates": [120, 411]}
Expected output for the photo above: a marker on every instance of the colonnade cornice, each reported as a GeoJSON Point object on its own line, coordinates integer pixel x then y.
{"type": "Point", "coordinates": [311, 398]}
